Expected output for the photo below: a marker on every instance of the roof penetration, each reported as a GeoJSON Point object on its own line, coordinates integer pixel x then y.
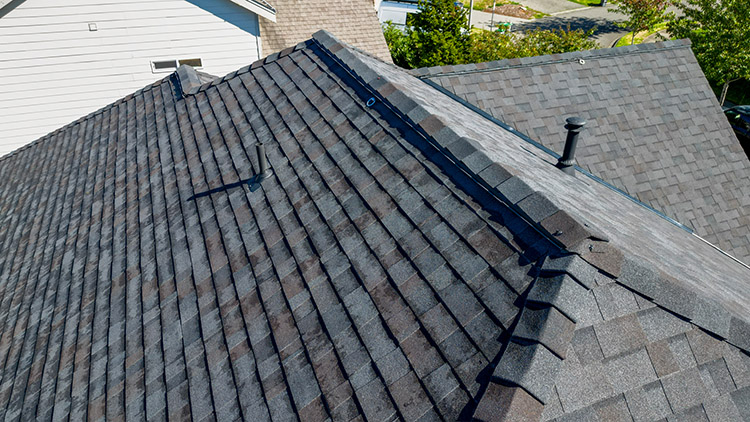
{"type": "Point", "coordinates": [406, 259]}
{"type": "Point", "coordinates": [655, 129]}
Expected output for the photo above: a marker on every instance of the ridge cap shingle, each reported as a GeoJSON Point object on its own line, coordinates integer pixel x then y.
{"type": "Point", "coordinates": [503, 64]}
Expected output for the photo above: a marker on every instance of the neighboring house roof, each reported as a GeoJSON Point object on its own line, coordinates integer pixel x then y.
{"type": "Point", "coordinates": [353, 21]}
{"type": "Point", "coordinates": [654, 127]}
{"type": "Point", "coordinates": [407, 258]}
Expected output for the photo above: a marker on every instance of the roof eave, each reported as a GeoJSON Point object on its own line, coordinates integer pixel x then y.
{"type": "Point", "coordinates": [4, 3]}
{"type": "Point", "coordinates": [260, 9]}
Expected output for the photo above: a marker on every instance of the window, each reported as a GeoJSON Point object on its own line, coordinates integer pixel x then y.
{"type": "Point", "coordinates": [192, 62]}
{"type": "Point", "coordinates": [163, 66]}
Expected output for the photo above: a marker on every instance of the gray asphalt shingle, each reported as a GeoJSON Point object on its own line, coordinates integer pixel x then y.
{"type": "Point", "coordinates": [671, 148]}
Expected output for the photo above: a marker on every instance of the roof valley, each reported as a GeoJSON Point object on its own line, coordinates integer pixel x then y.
{"type": "Point", "coordinates": [639, 110]}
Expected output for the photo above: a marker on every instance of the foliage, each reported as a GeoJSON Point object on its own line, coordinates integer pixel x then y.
{"type": "Point", "coordinates": [539, 42]}
{"type": "Point", "coordinates": [437, 36]}
{"type": "Point", "coordinates": [398, 44]}
{"type": "Point", "coordinates": [485, 46]}
{"type": "Point", "coordinates": [488, 46]}
{"type": "Point", "coordinates": [720, 34]}
{"type": "Point", "coordinates": [640, 37]}
{"type": "Point", "coordinates": [643, 15]}
{"type": "Point", "coordinates": [588, 2]}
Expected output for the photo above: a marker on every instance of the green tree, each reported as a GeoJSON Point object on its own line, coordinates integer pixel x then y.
{"type": "Point", "coordinates": [643, 15]}
{"type": "Point", "coordinates": [540, 42]}
{"type": "Point", "coordinates": [399, 45]}
{"type": "Point", "coordinates": [437, 34]}
{"type": "Point", "coordinates": [487, 46]}
{"type": "Point", "coordinates": [720, 33]}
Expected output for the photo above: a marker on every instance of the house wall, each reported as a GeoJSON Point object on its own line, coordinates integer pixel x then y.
{"type": "Point", "coordinates": [396, 12]}
{"type": "Point", "coordinates": [54, 69]}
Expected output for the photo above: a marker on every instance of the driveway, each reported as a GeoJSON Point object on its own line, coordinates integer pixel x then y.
{"type": "Point", "coordinates": [607, 32]}
{"type": "Point", "coordinates": [485, 20]}
{"type": "Point", "coordinates": [551, 6]}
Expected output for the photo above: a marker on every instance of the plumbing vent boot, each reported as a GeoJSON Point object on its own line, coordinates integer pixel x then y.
{"type": "Point", "coordinates": [567, 162]}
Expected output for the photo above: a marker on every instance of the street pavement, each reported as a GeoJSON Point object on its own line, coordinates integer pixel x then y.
{"type": "Point", "coordinates": [606, 34]}
{"type": "Point", "coordinates": [486, 21]}
{"type": "Point", "coordinates": [563, 13]}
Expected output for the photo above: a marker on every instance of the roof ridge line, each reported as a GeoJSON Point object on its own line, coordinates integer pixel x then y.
{"type": "Point", "coordinates": [522, 62]}
{"type": "Point", "coordinates": [454, 147]}
{"type": "Point", "coordinates": [272, 58]}
{"type": "Point", "coordinates": [569, 232]}
{"type": "Point", "coordinates": [552, 153]}
{"type": "Point", "coordinates": [588, 255]}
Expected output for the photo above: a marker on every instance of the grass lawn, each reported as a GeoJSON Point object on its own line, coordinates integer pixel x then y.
{"type": "Point", "coordinates": [640, 36]}
{"type": "Point", "coordinates": [483, 4]}
{"type": "Point", "coordinates": [588, 2]}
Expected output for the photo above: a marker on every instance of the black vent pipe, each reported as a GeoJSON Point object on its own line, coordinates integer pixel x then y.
{"type": "Point", "coordinates": [567, 162]}
{"type": "Point", "coordinates": [263, 169]}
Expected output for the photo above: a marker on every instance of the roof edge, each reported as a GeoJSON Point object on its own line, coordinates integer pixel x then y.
{"type": "Point", "coordinates": [439, 71]}
{"type": "Point", "coordinates": [4, 3]}
{"type": "Point", "coordinates": [259, 7]}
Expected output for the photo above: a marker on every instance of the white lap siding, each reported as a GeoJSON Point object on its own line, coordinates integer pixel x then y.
{"type": "Point", "coordinates": [54, 69]}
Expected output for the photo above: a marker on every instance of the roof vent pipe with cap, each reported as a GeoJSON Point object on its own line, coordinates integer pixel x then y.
{"type": "Point", "coordinates": [567, 162]}
{"type": "Point", "coordinates": [264, 171]}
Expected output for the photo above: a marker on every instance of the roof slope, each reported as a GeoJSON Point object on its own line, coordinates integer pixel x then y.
{"type": "Point", "coordinates": [406, 259]}
{"type": "Point", "coordinates": [353, 21]}
{"type": "Point", "coordinates": [654, 127]}
{"type": "Point", "coordinates": [357, 280]}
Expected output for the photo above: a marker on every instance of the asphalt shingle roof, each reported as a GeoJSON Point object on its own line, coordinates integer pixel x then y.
{"type": "Point", "coordinates": [406, 259]}
{"type": "Point", "coordinates": [654, 127]}
{"type": "Point", "coordinates": [353, 21]}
